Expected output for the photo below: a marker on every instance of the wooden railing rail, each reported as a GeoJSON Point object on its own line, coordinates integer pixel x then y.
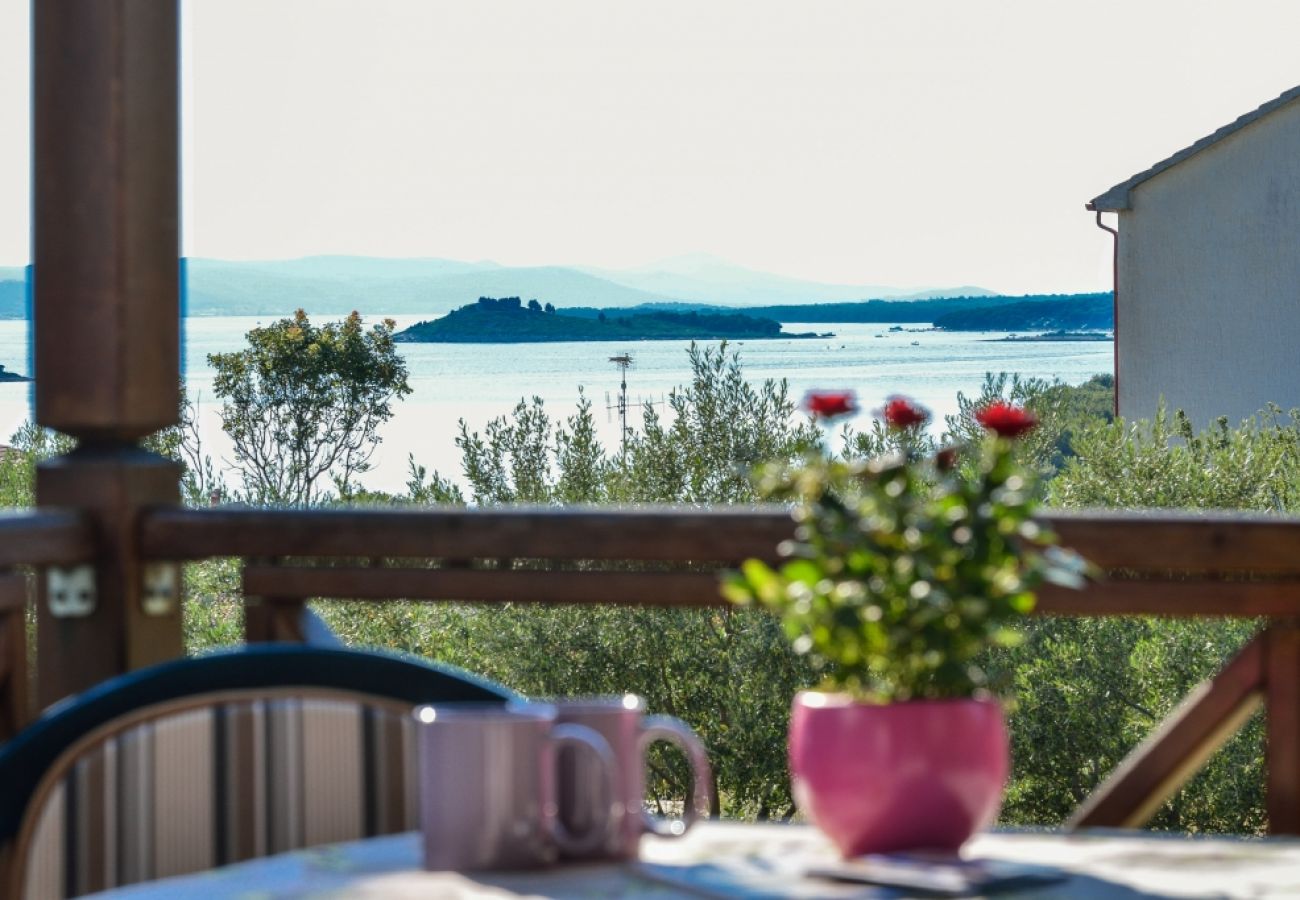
{"type": "Point", "coordinates": [592, 533]}
{"type": "Point", "coordinates": [45, 537]}
{"type": "Point", "coordinates": [1155, 541]}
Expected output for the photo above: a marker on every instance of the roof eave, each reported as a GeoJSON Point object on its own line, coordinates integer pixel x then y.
{"type": "Point", "coordinates": [1118, 197]}
{"type": "Point", "coordinates": [1114, 200]}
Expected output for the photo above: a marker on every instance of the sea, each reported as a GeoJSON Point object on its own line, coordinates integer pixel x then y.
{"type": "Point", "coordinates": [475, 383]}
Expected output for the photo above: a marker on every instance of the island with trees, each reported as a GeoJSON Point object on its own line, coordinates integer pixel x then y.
{"type": "Point", "coordinates": [11, 376]}
{"type": "Point", "coordinates": [510, 320]}
{"type": "Point", "coordinates": [1089, 314]}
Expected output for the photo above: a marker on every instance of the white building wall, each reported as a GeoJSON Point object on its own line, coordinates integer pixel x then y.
{"type": "Point", "coordinates": [1209, 279]}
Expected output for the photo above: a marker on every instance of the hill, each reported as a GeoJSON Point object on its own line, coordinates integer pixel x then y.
{"type": "Point", "coordinates": [507, 320]}
{"type": "Point", "coordinates": [1070, 313]}
{"type": "Point", "coordinates": [332, 285]}
{"type": "Point", "coordinates": [707, 279]}
{"type": "Point", "coordinates": [338, 285]}
{"type": "Point", "coordinates": [1022, 314]}
{"type": "Point", "coordinates": [899, 310]}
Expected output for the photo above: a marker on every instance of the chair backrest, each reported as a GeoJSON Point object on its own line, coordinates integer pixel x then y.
{"type": "Point", "coordinates": [207, 761]}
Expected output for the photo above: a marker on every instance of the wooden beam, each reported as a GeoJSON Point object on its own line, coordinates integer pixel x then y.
{"type": "Point", "coordinates": [1152, 597]}
{"type": "Point", "coordinates": [655, 534]}
{"type": "Point", "coordinates": [105, 211]}
{"type": "Point", "coordinates": [699, 589]}
{"type": "Point", "coordinates": [1208, 716]}
{"type": "Point", "coordinates": [45, 537]}
{"type": "Point", "coordinates": [1155, 543]}
{"type": "Point", "coordinates": [15, 701]}
{"type": "Point", "coordinates": [1283, 754]}
{"type": "Point", "coordinates": [1166, 540]}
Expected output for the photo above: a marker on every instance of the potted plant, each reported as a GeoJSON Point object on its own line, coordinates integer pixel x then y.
{"type": "Point", "coordinates": [904, 571]}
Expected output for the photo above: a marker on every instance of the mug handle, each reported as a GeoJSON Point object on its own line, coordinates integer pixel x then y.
{"type": "Point", "coordinates": [589, 738]}
{"type": "Point", "coordinates": [675, 731]}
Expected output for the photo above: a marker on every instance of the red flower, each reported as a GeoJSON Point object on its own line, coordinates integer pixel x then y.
{"type": "Point", "coordinates": [830, 404]}
{"type": "Point", "coordinates": [900, 412]}
{"type": "Point", "coordinates": [1007, 420]}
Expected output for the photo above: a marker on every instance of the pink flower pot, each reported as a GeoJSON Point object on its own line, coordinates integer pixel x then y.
{"type": "Point", "coordinates": [905, 776]}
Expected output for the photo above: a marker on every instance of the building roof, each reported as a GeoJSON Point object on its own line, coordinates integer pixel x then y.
{"type": "Point", "coordinates": [1117, 198]}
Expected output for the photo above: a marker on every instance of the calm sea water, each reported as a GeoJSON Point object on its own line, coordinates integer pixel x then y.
{"type": "Point", "coordinates": [477, 382]}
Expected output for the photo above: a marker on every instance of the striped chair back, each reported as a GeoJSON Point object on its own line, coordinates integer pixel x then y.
{"type": "Point", "coordinates": [212, 779]}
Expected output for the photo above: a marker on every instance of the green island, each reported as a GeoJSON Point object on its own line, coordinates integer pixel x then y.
{"type": "Point", "coordinates": [1057, 336]}
{"type": "Point", "coordinates": [994, 312]}
{"type": "Point", "coordinates": [508, 320]}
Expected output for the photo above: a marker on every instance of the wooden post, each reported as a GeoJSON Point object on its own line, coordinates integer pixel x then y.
{"type": "Point", "coordinates": [14, 701]}
{"type": "Point", "coordinates": [274, 619]}
{"type": "Point", "coordinates": [106, 239]}
{"type": "Point", "coordinates": [1282, 695]}
{"type": "Point", "coordinates": [106, 315]}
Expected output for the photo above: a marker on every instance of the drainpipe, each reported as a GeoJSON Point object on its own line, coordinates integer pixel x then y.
{"type": "Point", "coordinates": [1114, 294]}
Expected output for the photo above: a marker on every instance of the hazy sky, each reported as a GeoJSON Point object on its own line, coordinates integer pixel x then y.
{"type": "Point", "coordinates": [916, 143]}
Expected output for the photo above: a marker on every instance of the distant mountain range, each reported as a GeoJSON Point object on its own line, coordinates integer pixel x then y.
{"type": "Point", "coordinates": [706, 279]}
{"type": "Point", "coordinates": [334, 285]}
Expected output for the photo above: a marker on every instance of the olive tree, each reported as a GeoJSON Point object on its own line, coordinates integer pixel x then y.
{"type": "Point", "coordinates": [303, 404]}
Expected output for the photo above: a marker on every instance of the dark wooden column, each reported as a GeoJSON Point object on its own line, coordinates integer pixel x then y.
{"type": "Point", "coordinates": [106, 318]}
{"type": "Point", "coordinates": [1283, 754]}
{"type": "Point", "coordinates": [14, 700]}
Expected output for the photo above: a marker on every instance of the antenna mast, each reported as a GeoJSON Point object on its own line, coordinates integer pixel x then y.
{"type": "Point", "coordinates": [623, 362]}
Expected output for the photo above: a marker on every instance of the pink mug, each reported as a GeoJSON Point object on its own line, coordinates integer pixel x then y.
{"type": "Point", "coordinates": [622, 722]}
{"type": "Point", "coordinates": [488, 786]}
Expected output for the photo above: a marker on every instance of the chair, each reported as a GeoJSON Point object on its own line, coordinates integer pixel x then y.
{"type": "Point", "coordinates": [206, 761]}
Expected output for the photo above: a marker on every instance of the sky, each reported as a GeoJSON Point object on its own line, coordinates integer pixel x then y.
{"type": "Point", "coordinates": [927, 143]}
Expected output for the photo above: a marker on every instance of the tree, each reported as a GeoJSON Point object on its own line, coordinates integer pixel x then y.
{"type": "Point", "coordinates": [534, 305]}
{"type": "Point", "coordinates": [303, 404]}
{"type": "Point", "coordinates": [550, 307]}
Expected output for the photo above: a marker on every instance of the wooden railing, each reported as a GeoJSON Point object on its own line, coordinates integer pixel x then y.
{"type": "Point", "coordinates": [1161, 564]}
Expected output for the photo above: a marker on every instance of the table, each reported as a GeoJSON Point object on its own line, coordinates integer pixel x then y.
{"type": "Point", "coordinates": [722, 859]}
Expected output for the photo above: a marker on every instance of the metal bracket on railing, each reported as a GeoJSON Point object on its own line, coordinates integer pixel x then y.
{"type": "Point", "coordinates": [71, 591]}
{"type": "Point", "coordinates": [162, 588]}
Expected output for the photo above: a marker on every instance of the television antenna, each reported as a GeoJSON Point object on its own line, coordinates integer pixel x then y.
{"type": "Point", "coordinates": [621, 403]}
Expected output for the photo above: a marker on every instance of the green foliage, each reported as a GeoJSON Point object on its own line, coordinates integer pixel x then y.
{"type": "Point", "coordinates": [1062, 411]}
{"type": "Point", "coordinates": [214, 605]}
{"type": "Point", "coordinates": [903, 571]}
{"type": "Point", "coordinates": [1090, 689]}
{"type": "Point", "coordinates": [1165, 464]}
{"type": "Point", "coordinates": [32, 445]}
{"type": "Point", "coordinates": [29, 446]}
{"type": "Point", "coordinates": [722, 427]}
{"type": "Point", "coordinates": [303, 403]}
